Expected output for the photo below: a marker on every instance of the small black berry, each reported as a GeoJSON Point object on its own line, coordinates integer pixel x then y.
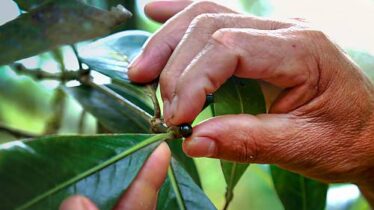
{"type": "Point", "coordinates": [185, 130]}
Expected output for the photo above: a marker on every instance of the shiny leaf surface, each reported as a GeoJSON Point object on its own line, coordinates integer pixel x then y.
{"type": "Point", "coordinates": [298, 192]}
{"type": "Point", "coordinates": [40, 173]}
{"type": "Point", "coordinates": [111, 114]}
{"type": "Point", "coordinates": [53, 24]}
{"type": "Point", "coordinates": [237, 96]}
{"type": "Point", "coordinates": [111, 55]}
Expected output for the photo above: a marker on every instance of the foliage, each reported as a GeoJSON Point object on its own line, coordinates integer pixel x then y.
{"type": "Point", "coordinates": [48, 168]}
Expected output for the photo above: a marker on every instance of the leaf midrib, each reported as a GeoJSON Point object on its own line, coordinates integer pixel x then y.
{"type": "Point", "coordinates": [98, 167]}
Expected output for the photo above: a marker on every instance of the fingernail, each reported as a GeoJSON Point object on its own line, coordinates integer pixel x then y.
{"type": "Point", "coordinates": [166, 110]}
{"type": "Point", "coordinates": [135, 62]}
{"type": "Point", "coordinates": [201, 147]}
{"type": "Point", "coordinates": [173, 107]}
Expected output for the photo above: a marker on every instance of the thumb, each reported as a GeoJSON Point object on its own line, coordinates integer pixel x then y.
{"type": "Point", "coordinates": [161, 11]}
{"type": "Point", "coordinates": [264, 138]}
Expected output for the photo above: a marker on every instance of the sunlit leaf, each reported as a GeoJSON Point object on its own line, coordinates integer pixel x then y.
{"type": "Point", "coordinates": [237, 96]}
{"type": "Point", "coordinates": [53, 24]}
{"type": "Point", "coordinates": [111, 55]}
{"type": "Point", "coordinates": [40, 173]}
{"type": "Point", "coordinates": [298, 192]}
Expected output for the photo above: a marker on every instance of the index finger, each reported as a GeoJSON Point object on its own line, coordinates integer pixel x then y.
{"type": "Point", "coordinates": [158, 49]}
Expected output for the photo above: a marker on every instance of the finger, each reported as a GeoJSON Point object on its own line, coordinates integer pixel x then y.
{"type": "Point", "coordinates": [142, 193]}
{"type": "Point", "coordinates": [77, 202]}
{"type": "Point", "coordinates": [247, 53]}
{"type": "Point", "coordinates": [195, 39]}
{"type": "Point", "coordinates": [148, 65]}
{"type": "Point", "coordinates": [161, 11]}
{"type": "Point", "coordinates": [245, 138]}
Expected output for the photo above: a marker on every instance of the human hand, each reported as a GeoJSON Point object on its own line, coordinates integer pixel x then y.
{"type": "Point", "coordinates": [142, 193]}
{"type": "Point", "coordinates": [321, 125]}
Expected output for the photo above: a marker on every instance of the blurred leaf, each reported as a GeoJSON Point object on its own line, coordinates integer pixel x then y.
{"type": "Point", "coordinates": [237, 96]}
{"type": "Point", "coordinates": [55, 23]}
{"type": "Point", "coordinates": [112, 115]}
{"type": "Point", "coordinates": [24, 103]}
{"type": "Point", "coordinates": [27, 5]}
{"type": "Point", "coordinates": [365, 60]}
{"type": "Point", "coordinates": [257, 7]}
{"type": "Point", "coordinates": [298, 192]}
{"type": "Point", "coordinates": [40, 173]}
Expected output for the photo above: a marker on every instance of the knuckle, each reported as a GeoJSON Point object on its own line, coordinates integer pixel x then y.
{"type": "Point", "coordinates": [202, 20]}
{"type": "Point", "coordinates": [203, 6]}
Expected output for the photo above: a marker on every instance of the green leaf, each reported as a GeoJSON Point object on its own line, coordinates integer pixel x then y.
{"type": "Point", "coordinates": [27, 5]}
{"type": "Point", "coordinates": [181, 192]}
{"type": "Point", "coordinates": [298, 192]}
{"type": "Point", "coordinates": [40, 173]}
{"type": "Point", "coordinates": [237, 96]}
{"type": "Point", "coordinates": [111, 55]}
{"type": "Point", "coordinates": [53, 24]}
{"type": "Point", "coordinates": [109, 112]}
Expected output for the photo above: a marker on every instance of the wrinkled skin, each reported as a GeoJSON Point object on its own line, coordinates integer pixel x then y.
{"type": "Point", "coordinates": [320, 125]}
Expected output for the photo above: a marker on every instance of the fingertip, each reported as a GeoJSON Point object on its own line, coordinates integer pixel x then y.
{"type": "Point", "coordinates": [161, 11]}
{"type": "Point", "coordinates": [77, 202]}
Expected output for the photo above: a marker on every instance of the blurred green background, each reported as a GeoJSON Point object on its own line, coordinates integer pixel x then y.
{"type": "Point", "coordinates": [40, 107]}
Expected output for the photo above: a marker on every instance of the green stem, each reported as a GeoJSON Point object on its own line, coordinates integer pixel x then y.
{"type": "Point", "coordinates": [153, 139]}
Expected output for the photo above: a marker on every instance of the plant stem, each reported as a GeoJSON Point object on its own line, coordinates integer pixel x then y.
{"type": "Point", "coordinates": [121, 100]}
{"type": "Point", "coordinates": [40, 74]}
{"type": "Point", "coordinates": [82, 120]}
{"type": "Point", "coordinates": [16, 133]}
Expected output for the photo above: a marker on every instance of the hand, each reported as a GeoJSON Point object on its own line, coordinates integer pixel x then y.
{"type": "Point", "coordinates": [321, 125]}
{"type": "Point", "coordinates": [142, 193]}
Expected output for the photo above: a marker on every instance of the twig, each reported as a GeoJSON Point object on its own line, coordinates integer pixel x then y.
{"type": "Point", "coordinates": [40, 74]}
{"type": "Point", "coordinates": [82, 120]}
{"type": "Point", "coordinates": [229, 196]}
{"type": "Point", "coordinates": [16, 133]}
{"type": "Point", "coordinates": [157, 123]}
{"type": "Point", "coordinates": [121, 100]}
{"type": "Point", "coordinates": [77, 56]}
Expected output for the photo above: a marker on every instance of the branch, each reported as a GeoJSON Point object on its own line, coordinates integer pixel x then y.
{"type": "Point", "coordinates": [16, 133]}
{"type": "Point", "coordinates": [40, 74]}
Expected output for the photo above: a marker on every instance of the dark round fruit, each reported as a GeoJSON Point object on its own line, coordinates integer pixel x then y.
{"type": "Point", "coordinates": [185, 130]}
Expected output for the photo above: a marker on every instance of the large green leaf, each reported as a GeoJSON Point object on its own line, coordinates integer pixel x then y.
{"type": "Point", "coordinates": [55, 23]}
{"type": "Point", "coordinates": [237, 96]}
{"type": "Point", "coordinates": [40, 173]}
{"type": "Point", "coordinates": [109, 112]}
{"type": "Point", "coordinates": [298, 192]}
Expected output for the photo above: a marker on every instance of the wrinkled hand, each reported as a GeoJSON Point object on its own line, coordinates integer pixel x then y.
{"type": "Point", "coordinates": [142, 193]}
